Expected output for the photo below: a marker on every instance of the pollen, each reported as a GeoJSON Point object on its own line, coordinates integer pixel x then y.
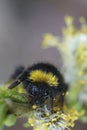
{"type": "Point", "coordinates": [41, 76]}
{"type": "Point", "coordinates": [34, 106]}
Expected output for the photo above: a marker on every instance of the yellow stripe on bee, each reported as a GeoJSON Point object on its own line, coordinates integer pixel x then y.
{"type": "Point", "coordinates": [41, 76]}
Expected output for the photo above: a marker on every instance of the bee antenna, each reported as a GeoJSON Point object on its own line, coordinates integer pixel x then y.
{"type": "Point", "coordinates": [19, 79]}
{"type": "Point", "coordinates": [14, 84]}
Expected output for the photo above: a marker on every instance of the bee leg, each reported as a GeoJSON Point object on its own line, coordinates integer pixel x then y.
{"type": "Point", "coordinates": [27, 96]}
{"type": "Point", "coordinates": [50, 103]}
{"type": "Point", "coordinates": [61, 100]}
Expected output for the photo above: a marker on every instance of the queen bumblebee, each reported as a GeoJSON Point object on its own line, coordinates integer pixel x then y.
{"type": "Point", "coordinates": [42, 82]}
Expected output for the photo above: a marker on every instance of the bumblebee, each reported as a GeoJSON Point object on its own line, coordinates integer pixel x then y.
{"type": "Point", "coordinates": [42, 82]}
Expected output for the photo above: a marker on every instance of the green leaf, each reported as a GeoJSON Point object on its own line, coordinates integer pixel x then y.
{"type": "Point", "coordinates": [3, 110]}
{"type": "Point", "coordinates": [13, 95]}
{"type": "Point", "coordinates": [10, 120]}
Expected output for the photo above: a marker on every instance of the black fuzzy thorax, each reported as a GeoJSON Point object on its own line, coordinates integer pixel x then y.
{"type": "Point", "coordinates": [47, 67]}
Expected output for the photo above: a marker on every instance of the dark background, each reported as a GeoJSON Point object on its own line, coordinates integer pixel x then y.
{"type": "Point", "coordinates": [22, 25]}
